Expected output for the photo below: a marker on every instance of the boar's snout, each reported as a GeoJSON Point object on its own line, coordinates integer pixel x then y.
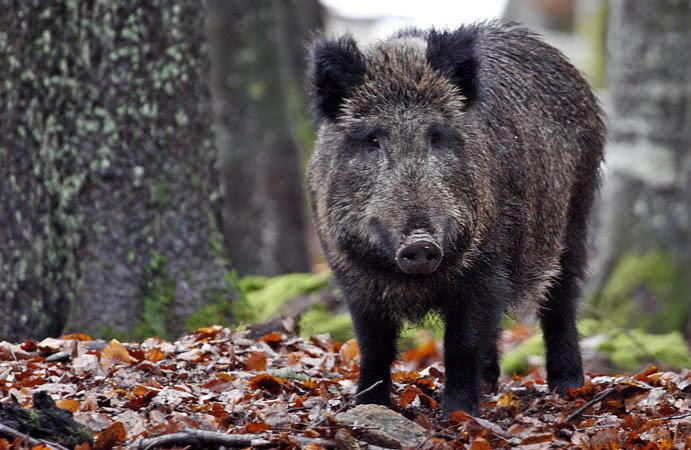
{"type": "Point", "coordinates": [419, 254]}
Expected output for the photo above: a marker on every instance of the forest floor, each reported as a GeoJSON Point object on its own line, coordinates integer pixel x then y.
{"type": "Point", "coordinates": [279, 391]}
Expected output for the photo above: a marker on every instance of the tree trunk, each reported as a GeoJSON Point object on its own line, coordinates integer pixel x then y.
{"type": "Point", "coordinates": [108, 174]}
{"type": "Point", "coordinates": [262, 131]}
{"type": "Point", "coordinates": [645, 243]}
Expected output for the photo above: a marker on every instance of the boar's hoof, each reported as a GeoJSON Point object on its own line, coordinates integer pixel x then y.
{"type": "Point", "coordinates": [374, 397]}
{"type": "Point", "coordinates": [460, 402]}
{"type": "Point", "coordinates": [472, 410]}
{"type": "Point", "coordinates": [419, 256]}
{"type": "Point", "coordinates": [561, 386]}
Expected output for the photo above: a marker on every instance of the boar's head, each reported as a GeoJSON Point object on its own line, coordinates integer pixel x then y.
{"type": "Point", "coordinates": [399, 180]}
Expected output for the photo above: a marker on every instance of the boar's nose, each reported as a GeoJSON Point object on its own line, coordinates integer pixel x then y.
{"type": "Point", "coordinates": [419, 255]}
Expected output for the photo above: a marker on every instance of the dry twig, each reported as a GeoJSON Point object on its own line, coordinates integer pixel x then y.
{"type": "Point", "coordinates": [204, 439]}
{"type": "Point", "coordinates": [348, 403]}
{"type": "Point", "coordinates": [598, 398]}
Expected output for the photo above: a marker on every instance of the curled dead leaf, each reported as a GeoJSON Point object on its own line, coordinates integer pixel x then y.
{"type": "Point", "coordinates": [267, 382]}
{"type": "Point", "coordinates": [349, 352]}
{"type": "Point", "coordinates": [115, 353]}
{"type": "Point", "coordinates": [208, 332]}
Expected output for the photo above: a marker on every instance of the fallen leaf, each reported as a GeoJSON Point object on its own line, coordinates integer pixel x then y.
{"type": "Point", "coordinates": [605, 440]}
{"type": "Point", "coordinates": [111, 436]}
{"type": "Point", "coordinates": [537, 438]}
{"type": "Point", "coordinates": [115, 353]}
{"type": "Point", "coordinates": [349, 352]}
{"type": "Point", "coordinates": [154, 355]}
{"type": "Point", "coordinates": [208, 332]}
{"type": "Point", "coordinates": [68, 404]}
{"type": "Point", "coordinates": [459, 417]}
{"type": "Point", "coordinates": [77, 337]}
{"type": "Point", "coordinates": [423, 354]}
{"type": "Point", "coordinates": [480, 444]}
{"type": "Point", "coordinates": [267, 382]}
{"type": "Point", "coordinates": [256, 427]}
{"type": "Point", "coordinates": [272, 338]}
{"type": "Point", "coordinates": [256, 361]}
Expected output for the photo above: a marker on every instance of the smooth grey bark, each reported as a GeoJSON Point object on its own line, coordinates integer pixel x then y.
{"type": "Point", "coordinates": [646, 199]}
{"type": "Point", "coordinates": [262, 131]}
{"type": "Point", "coordinates": [108, 174]}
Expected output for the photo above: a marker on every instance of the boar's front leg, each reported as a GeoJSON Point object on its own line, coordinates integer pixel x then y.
{"type": "Point", "coordinates": [376, 335]}
{"type": "Point", "coordinates": [472, 324]}
{"type": "Point", "coordinates": [558, 313]}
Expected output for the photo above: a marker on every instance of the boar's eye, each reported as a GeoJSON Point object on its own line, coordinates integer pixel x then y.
{"type": "Point", "coordinates": [435, 138]}
{"type": "Point", "coordinates": [373, 141]}
{"type": "Point", "coordinates": [435, 134]}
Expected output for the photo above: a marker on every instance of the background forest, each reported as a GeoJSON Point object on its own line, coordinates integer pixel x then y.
{"type": "Point", "coordinates": [152, 157]}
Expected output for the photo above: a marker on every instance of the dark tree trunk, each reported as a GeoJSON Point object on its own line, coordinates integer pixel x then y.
{"type": "Point", "coordinates": [262, 130]}
{"type": "Point", "coordinates": [108, 174]}
{"type": "Point", "coordinates": [645, 240]}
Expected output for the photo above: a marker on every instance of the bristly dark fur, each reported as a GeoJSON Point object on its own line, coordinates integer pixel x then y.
{"type": "Point", "coordinates": [337, 67]}
{"type": "Point", "coordinates": [454, 55]}
{"type": "Point", "coordinates": [486, 140]}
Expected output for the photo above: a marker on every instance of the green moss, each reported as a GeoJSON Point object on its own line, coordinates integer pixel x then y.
{"type": "Point", "coordinates": [516, 361]}
{"type": "Point", "coordinates": [636, 348]}
{"type": "Point", "coordinates": [626, 349]}
{"type": "Point", "coordinates": [34, 417]}
{"type": "Point", "coordinates": [217, 311]}
{"type": "Point", "coordinates": [317, 320]}
{"type": "Point", "coordinates": [261, 298]}
{"type": "Point", "coordinates": [159, 295]}
{"type": "Point", "coordinates": [162, 194]}
{"type": "Point", "coordinates": [213, 314]}
{"type": "Point", "coordinates": [416, 334]}
{"type": "Point", "coordinates": [648, 291]}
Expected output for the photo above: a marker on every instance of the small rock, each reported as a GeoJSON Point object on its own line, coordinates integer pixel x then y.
{"type": "Point", "coordinates": [58, 357]}
{"type": "Point", "coordinates": [378, 425]}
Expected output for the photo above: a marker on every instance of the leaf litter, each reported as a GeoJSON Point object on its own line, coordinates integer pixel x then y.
{"type": "Point", "coordinates": [289, 392]}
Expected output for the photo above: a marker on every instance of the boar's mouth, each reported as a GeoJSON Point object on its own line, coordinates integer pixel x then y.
{"type": "Point", "coordinates": [419, 253]}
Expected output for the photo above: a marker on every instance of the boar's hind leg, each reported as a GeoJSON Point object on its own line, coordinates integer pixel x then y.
{"type": "Point", "coordinates": [376, 336]}
{"type": "Point", "coordinates": [558, 313]}
{"type": "Point", "coordinates": [490, 366]}
{"type": "Point", "coordinates": [470, 341]}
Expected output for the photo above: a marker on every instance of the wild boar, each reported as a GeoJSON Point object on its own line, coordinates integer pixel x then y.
{"type": "Point", "coordinates": [454, 171]}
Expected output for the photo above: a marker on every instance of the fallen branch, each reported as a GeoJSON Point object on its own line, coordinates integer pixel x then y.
{"type": "Point", "coordinates": [11, 432]}
{"type": "Point", "coordinates": [677, 417]}
{"type": "Point", "coordinates": [598, 398]}
{"type": "Point", "coordinates": [204, 439]}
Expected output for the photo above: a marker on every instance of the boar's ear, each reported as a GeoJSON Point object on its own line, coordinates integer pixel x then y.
{"type": "Point", "coordinates": [336, 67]}
{"type": "Point", "coordinates": [455, 55]}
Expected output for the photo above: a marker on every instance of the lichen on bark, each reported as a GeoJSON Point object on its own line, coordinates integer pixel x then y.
{"type": "Point", "coordinates": [107, 159]}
